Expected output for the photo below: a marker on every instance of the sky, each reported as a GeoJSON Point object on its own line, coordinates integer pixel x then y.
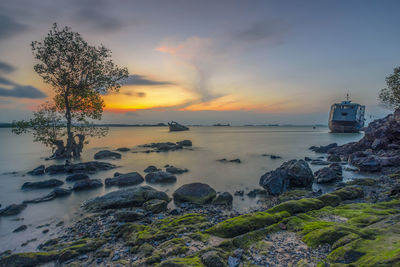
{"type": "Point", "coordinates": [205, 62]}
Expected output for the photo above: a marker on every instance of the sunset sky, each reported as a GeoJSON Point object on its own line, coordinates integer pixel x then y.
{"type": "Point", "coordinates": [203, 62]}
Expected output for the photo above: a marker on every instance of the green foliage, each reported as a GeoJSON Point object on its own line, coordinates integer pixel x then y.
{"type": "Point", "coordinates": [390, 96]}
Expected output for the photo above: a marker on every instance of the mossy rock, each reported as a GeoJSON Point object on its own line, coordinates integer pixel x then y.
{"type": "Point", "coordinates": [29, 259]}
{"type": "Point", "coordinates": [246, 223]}
{"type": "Point", "coordinates": [155, 205]}
{"type": "Point", "coordinates": [363, 182]}
{"type": "Point", "coordinates": [297, 206]}
{"type": "Point", "coordinates": [293, 194]}
{"type": "Point", "coordinates": [146, 249]}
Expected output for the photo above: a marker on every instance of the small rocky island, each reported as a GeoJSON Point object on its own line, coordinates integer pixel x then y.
{"type": "Point", "coordinates": [356, 224]}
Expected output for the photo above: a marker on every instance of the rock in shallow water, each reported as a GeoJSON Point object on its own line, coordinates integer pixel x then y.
{"type": "Point", "coordinates": [105, 154]}
{"type": "Point", "coordinates": [20, 229]}
{"type": "Point", "coordinates": [151, 168]}
{"type": "Point", "coordinates": [83, 167]}
{"type": "Point", "coordinates": [160, 177]}
{"type": "Point", "coordinates": [77, 177]}
{"type": "Point", "coordinates": [175, 170]}
{"type": "Point", "coordinates": [224, 199]}
{"type": "Point", "coordinates": [57, 192]}
{"type": "Point", "coordinates": [132, 197]}
{"type": "Point", "coordinates": [329, 174]}
{"type": "Point", "coordinates": [38, 171]}
{"type": "Point", "coordinates": [12, 209]}
{"type": "Point", "coordinates": [87, 184]}
{"type": "Point", "coordinates": [42, 184]}
{"type": "Point", "coordinates": [132, 178]}
{"type": "Point", "coordinates": [291, 174]}
{"type": "Point", "coordinates": [155, 205]}
{"type": "Point", "coordinates": [197, 193]}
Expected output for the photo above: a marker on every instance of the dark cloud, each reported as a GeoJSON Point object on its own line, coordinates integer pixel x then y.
{"type": "Point", "coordinates": [258, 31]}
{"type": "Point", "coordinates": [20, 91]}
{"type": "Point", "coordinates": [99, 20]}
{"type": "Point", "coordinates": [5, 81]}
{"type": "Point", "coordinates": [142, 80]}
{"type": "Point", "coordinates": [10, 27]}
{"type": "Point", "coordinates": [6, 68]}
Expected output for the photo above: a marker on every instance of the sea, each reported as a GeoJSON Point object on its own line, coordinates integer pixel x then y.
{"type": "Point", "coordinates": [19, 154]}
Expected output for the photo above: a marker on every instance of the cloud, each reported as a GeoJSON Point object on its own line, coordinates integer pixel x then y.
{"type": "Point", "coordinates": [21, 91]}
{"type": "Point", "coordinates": [10, 27]}
{"type": "Point", "coordinates": [6, 68]}
{"type": "Point", "coordinates": [5, 81]}
{"type": "Point", "coordinates": [142, 80]}
{"type": "Point", "coordinates": [137, 94]}
{"type": "Point", "coordinates": [260, 31]}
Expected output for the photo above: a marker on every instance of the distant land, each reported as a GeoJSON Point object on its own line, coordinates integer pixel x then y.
{"type": "Point", "coordinates": [161, 124]}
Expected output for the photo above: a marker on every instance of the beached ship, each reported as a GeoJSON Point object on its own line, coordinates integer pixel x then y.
{"type": "Point", "coordinates": [176, 127]}
{"type": "Point", "coordinates": [346, 117]}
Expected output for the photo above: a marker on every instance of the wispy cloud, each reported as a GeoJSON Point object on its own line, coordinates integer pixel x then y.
{"type": "Point", "coordinates": [10, 27]}
{"type": "Point", "coordinates": [21, 91]}
{"type": "Point", "coordinates": [143, 80]}
{"type": "Point", "coordinates": [260, 31]}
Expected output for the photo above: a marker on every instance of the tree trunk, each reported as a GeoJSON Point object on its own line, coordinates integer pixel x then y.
{"type": "Point", "coordinates": [70, 135]}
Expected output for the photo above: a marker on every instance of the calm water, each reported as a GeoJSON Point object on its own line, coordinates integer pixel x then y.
{"type": "Point", "coordinates": [19, 154]}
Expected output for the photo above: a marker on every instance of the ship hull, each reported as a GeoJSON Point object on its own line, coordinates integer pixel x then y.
{"type": "Point", "coordinates": [344, 126]}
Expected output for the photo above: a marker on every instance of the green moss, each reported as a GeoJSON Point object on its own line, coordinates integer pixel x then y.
{"type": "Point", "coordinates": [363, 182]}
{"type": "Point", "coordinates": [246, 223]}
{"type": "Point", "coordinates": [293, 194]}
{"type": "Point", "coordinates": [199, 236]}
{"type": "Point", "coordinates": [184, 262]}
{"type": "Point", "coordinates": [29, 258]}
{"type": "Point", "coordinates": [145, 249]}
{"type": "Point", "coordinates": [298, 206]}
{"type": "Point", "coordinates": [345, 240]}
{"type": "Point", "coordinates": [325, 234]}
{"type": "Point", "coordinates": [248, 239]}
{"type": "Point", "coordinates": [349, 193]}
{"type": "Point", "coordinates": [330, 200]}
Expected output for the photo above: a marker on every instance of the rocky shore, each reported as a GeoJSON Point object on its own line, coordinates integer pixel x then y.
{"type": "Point", "coordinates": [357, 224]}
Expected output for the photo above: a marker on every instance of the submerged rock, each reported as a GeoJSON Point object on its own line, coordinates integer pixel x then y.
{"type": "Point", "coordinates": [38, 170]}
{"type": "Point", "coordinates": [132, 178]}
{"type": "Point", "coordinates": [57, 192]}
{"type": "Point", "coordinates": [87, 184]}
{"type": "Point", "coordinates": [185, 143]}
{"type": "Point", "coordinates": [256, 192]}
{"type": "Point", "coordinates": [83, 167]}
{"type": "Point", "coordinates": [132, 197]}
{"type": "Point", "coordinates": [160, 177]}
{"type": "Point", "coordinates": [291, 174]}
{"type": "Point", "coordinates": [77, 177]}
{"type": "Point", "coordinates": [323, 149]}
{"type": "Point", "coordinates": [21, 228]}
{"type": "Point", "coordinates": [104, 154]}
{"type": "Point", "coordinates": [42, 184]}
{"type": "Point", "coordinates": [151, 168]}
{"type": "Point", "coordinates": [123, 149]}
{"type": "Point", "coordinates": [224, 199]}
{"type": "Point", "coordinates": [329, 174]}
{"type": "Point", "coordinates": [232, 160]}
{"type": "Point", "coordinates": [197, 193]}
{"type": "Point", "coordinates": [175, 170]}
{"type": "Point", "coordinates": [12, 209]}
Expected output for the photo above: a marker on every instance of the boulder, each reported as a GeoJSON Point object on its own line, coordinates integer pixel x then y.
{"type": "Point", "coordinates": [329, 174]}
{"type": "Point", "coordinates": [319, 162]}
{"type": "Point", "coordinates": [197, 193]}
{"type": "Point", "coordinates": [87, 184]}
{"type": "Point", "coordinates": [57, 192]}
{"type": "Point", "coordinates": [334, 158]}
{"type": "Point", "coordinates": [128, 216]}
{"type": "Point", "coordinates": [155, 205]}
{"type": "Point", "coordinates": [160, 177]}
{"type": "Point", "coordinates": [38, 170]}
{"type": "Point", "coordinates": [77, 177]}
{"type": "Point", "coordinates": [42, 184]}
{"type": "Point", "coordinates": [224, 199]}
{"type": "Point", "coordinates": [323, 149]}
{"type": "Point", "coordinates": [132, 178]}
{"type": "Point", "coordinates": [131, 197]}
{"type": "Point", "coordinates": [291, 174]}
{"type": "Point", "coordinates": [12, 209]}
{"type": "Point", "coordinates": [366, 163]}
{"type": "Point", "coordinates": [106, 154]}
{"type": "Point", "coordinates": [151, 168]}
{"type": "Point", "coordinates": [175, 170]}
